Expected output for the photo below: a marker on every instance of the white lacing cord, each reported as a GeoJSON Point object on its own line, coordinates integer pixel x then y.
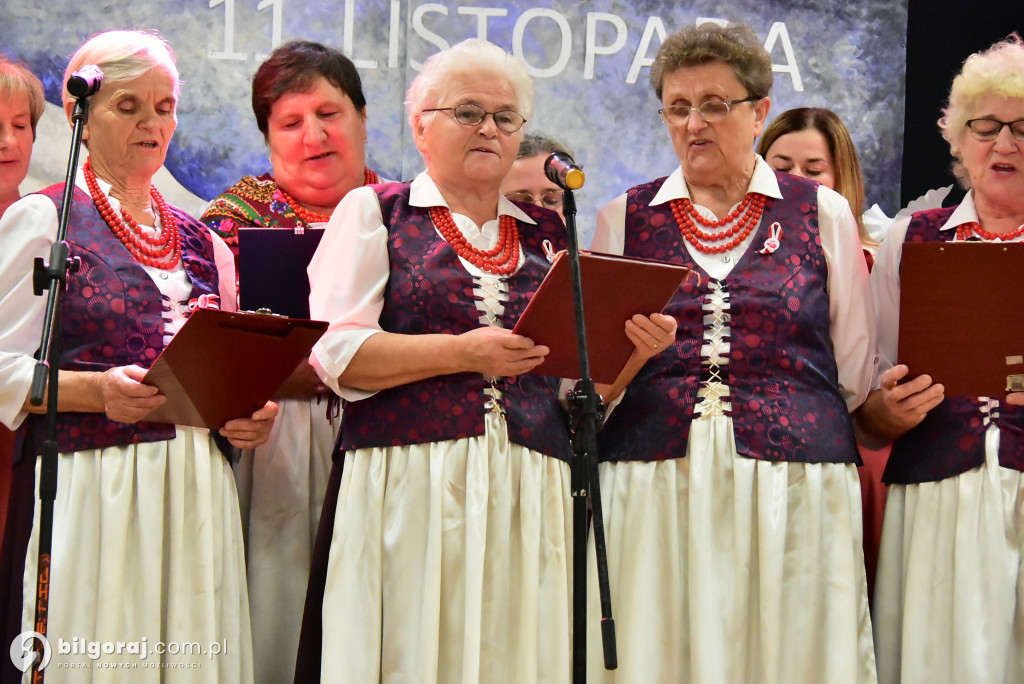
{"type": "Point", "coordinates": [491, 293]}
{"type": "Point", "coordinates": [714, 392]}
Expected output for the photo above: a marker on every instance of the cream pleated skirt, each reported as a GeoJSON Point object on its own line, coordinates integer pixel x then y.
{"type": "Point", "coordinates": [450, 564]}
{"type": "Point", "coordinates": [949, 597]}
{"type": "Point", "coordinates": [147, 549]}
{"type": "Point", "coordinates": [730, 570]}
{"type": "Point", "coordinates": [281, 488]}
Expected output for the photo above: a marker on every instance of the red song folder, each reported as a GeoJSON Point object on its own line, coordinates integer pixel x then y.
{"type": "Point", "coordinates": [614, 288]}
{"type": "Point", "coordinates": [223, 365]}
{"type": "Point", "coordinates": [962, 315]}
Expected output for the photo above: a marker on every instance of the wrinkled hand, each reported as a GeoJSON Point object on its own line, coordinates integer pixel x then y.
{"type": "Point", "coordinates": [125, 398]}
{"type": "Point", "coordinates": [497, 352]}
{"type": "Point", "coordinates": [651, 335]}
{"type": "Point", "coordinates": [303, 383]}
{"type": "Point", "coordinates": [909, 402]}
{"type": "Point", "coordinates": [249, 433]}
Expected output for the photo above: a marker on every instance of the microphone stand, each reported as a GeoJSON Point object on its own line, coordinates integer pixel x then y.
{"type": "Point", "coordinates": [585, 411]}
{"type": "Point", "coordinates": [52, 276]}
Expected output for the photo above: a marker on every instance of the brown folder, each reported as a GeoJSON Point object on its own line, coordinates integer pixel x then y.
{"type": "Point", "coordinates": [222, 365]}
{"type": "Point", "coordinates": [962, 315]}
{"type": "Point", "coordinates": [614, 288]}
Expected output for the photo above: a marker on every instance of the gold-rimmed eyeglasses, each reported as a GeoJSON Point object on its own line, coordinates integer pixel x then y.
{"type": "Point", "coordinates": [469, 114]}
{"type": "Point", "coordinates": [710, 111]}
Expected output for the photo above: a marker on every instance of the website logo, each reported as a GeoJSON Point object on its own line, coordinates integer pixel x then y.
{"type": "Point", "coordinates": [24, 653]}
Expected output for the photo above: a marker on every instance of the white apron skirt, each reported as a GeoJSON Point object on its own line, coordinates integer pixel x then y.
{"type": "Point", "coordinates": [731, 570]}
{"type": "Point", "coordinates": [147, 550]}
{"type": "Point", "coordinates": [949, 595]}
{"type": "Point", "coordinates": [450, 564]}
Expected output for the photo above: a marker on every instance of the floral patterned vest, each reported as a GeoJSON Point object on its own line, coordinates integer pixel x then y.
{"type": "Point", "coordinates": [112, 315]}
{"type": "Point", "coordinates": [785, 400]}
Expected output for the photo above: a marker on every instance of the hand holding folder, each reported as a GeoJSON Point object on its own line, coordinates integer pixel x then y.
{"type": "Point", "coordinates": [614, 289]}
{"type": "Point", "coordinates": [223, 365]}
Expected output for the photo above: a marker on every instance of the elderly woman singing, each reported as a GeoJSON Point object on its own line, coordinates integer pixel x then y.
{"type": "Point", "coordinates": [450, 559]}
{"type": "Point", "coordinates": [730, 488]}
{"type": "Point", "coordinates": [949, 597]}
{"type": "Point", "coordinates": [147, 544]}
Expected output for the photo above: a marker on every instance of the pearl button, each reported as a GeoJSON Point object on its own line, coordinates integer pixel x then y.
{"type": "Point", "coordinates": [727, 258]}
{"type": "Point", "coordinates": [164, 276]}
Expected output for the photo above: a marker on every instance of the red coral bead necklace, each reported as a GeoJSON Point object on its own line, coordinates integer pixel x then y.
{"type": "Point", "coordinates": [307, 216]}
{"type": "Point", "coordinates": [161, 250]}
{"type": "Point", "coordinates": [746, 216]}
{"type": "Point", "coordinates": [966, 230]}
{"type": "Point", "coordinates": [502, 259]}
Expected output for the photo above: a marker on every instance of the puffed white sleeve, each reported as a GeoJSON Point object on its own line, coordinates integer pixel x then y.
{"type": "Point", "coordinates": [347, 277]}
{"type": "Point", "coordinates": [885, 289]}
{"type": "Point", "coordinates": [851, 310]}
{"type": "Point", "coordinates": [27, 230]}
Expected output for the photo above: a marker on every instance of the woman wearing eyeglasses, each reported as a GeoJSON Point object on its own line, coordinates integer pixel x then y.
{"type": "Point", "coordinates": [728, 475]}
{"type": "Point", "coordinates": [449, 559]}
{"type": "Point", "coordinates": [949, 594]}
{"type": "Point", "coordinates": [526, 180]}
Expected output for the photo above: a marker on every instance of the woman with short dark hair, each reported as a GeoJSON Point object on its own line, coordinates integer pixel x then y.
{"type": "Point", "coordinates": [309, 104]}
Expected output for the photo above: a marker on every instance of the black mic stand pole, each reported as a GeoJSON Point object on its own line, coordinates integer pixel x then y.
{"type": "Point", "coordinates": [52, 276]}
{"type": "Point", "coordinates": [586, 412]}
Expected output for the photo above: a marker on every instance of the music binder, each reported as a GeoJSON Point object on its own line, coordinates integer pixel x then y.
{"type": "Point", "coordinates": [961, 308]}
{"type": "Point", "coordinates": [272, 268]}
{"type": "Point", "coordinates": [223, 365]}
{"type": "Point", "coordinates": [614, 289]}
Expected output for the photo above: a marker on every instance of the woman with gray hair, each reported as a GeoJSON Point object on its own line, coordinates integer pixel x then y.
{"type": "Point", "coordinates": [949, 594]}
{"type": "Point", "coordinates": [147, 547]}
{"type": "Point", "coordinates": [731, 497]}
{"type": "Point", "coordinates": [449, 559]}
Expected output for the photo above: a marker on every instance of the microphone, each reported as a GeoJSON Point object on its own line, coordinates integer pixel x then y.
{"type": "Point", "coordinates": [86, 81]}
{"type": "Point", "coordinates": [563, 171]}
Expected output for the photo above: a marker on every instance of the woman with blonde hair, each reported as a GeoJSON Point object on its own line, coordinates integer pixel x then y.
{"type": "Point", "coordinates": [949, 599]}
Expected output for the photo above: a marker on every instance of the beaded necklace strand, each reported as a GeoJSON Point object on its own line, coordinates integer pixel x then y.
{"type": "Point", "coordinates": [502, 259]}
{"type": "Point", "coordinates": [152, 250]}
{"type": "Point", "coordinates": [746, 216]}
{"type": "Point", "coordinates": [308, 216]}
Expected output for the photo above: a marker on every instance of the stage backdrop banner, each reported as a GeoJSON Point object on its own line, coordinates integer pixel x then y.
{"type": "Point", "coordinates": [590, 62]}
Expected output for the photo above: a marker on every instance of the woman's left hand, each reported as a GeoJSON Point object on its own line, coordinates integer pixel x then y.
{"type": "Point", "coordinates": [651, 334]}
{"type": "Point", "coordinates": [1016, 398]}
{"type": "Point", "coordinates": [249, 433]}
